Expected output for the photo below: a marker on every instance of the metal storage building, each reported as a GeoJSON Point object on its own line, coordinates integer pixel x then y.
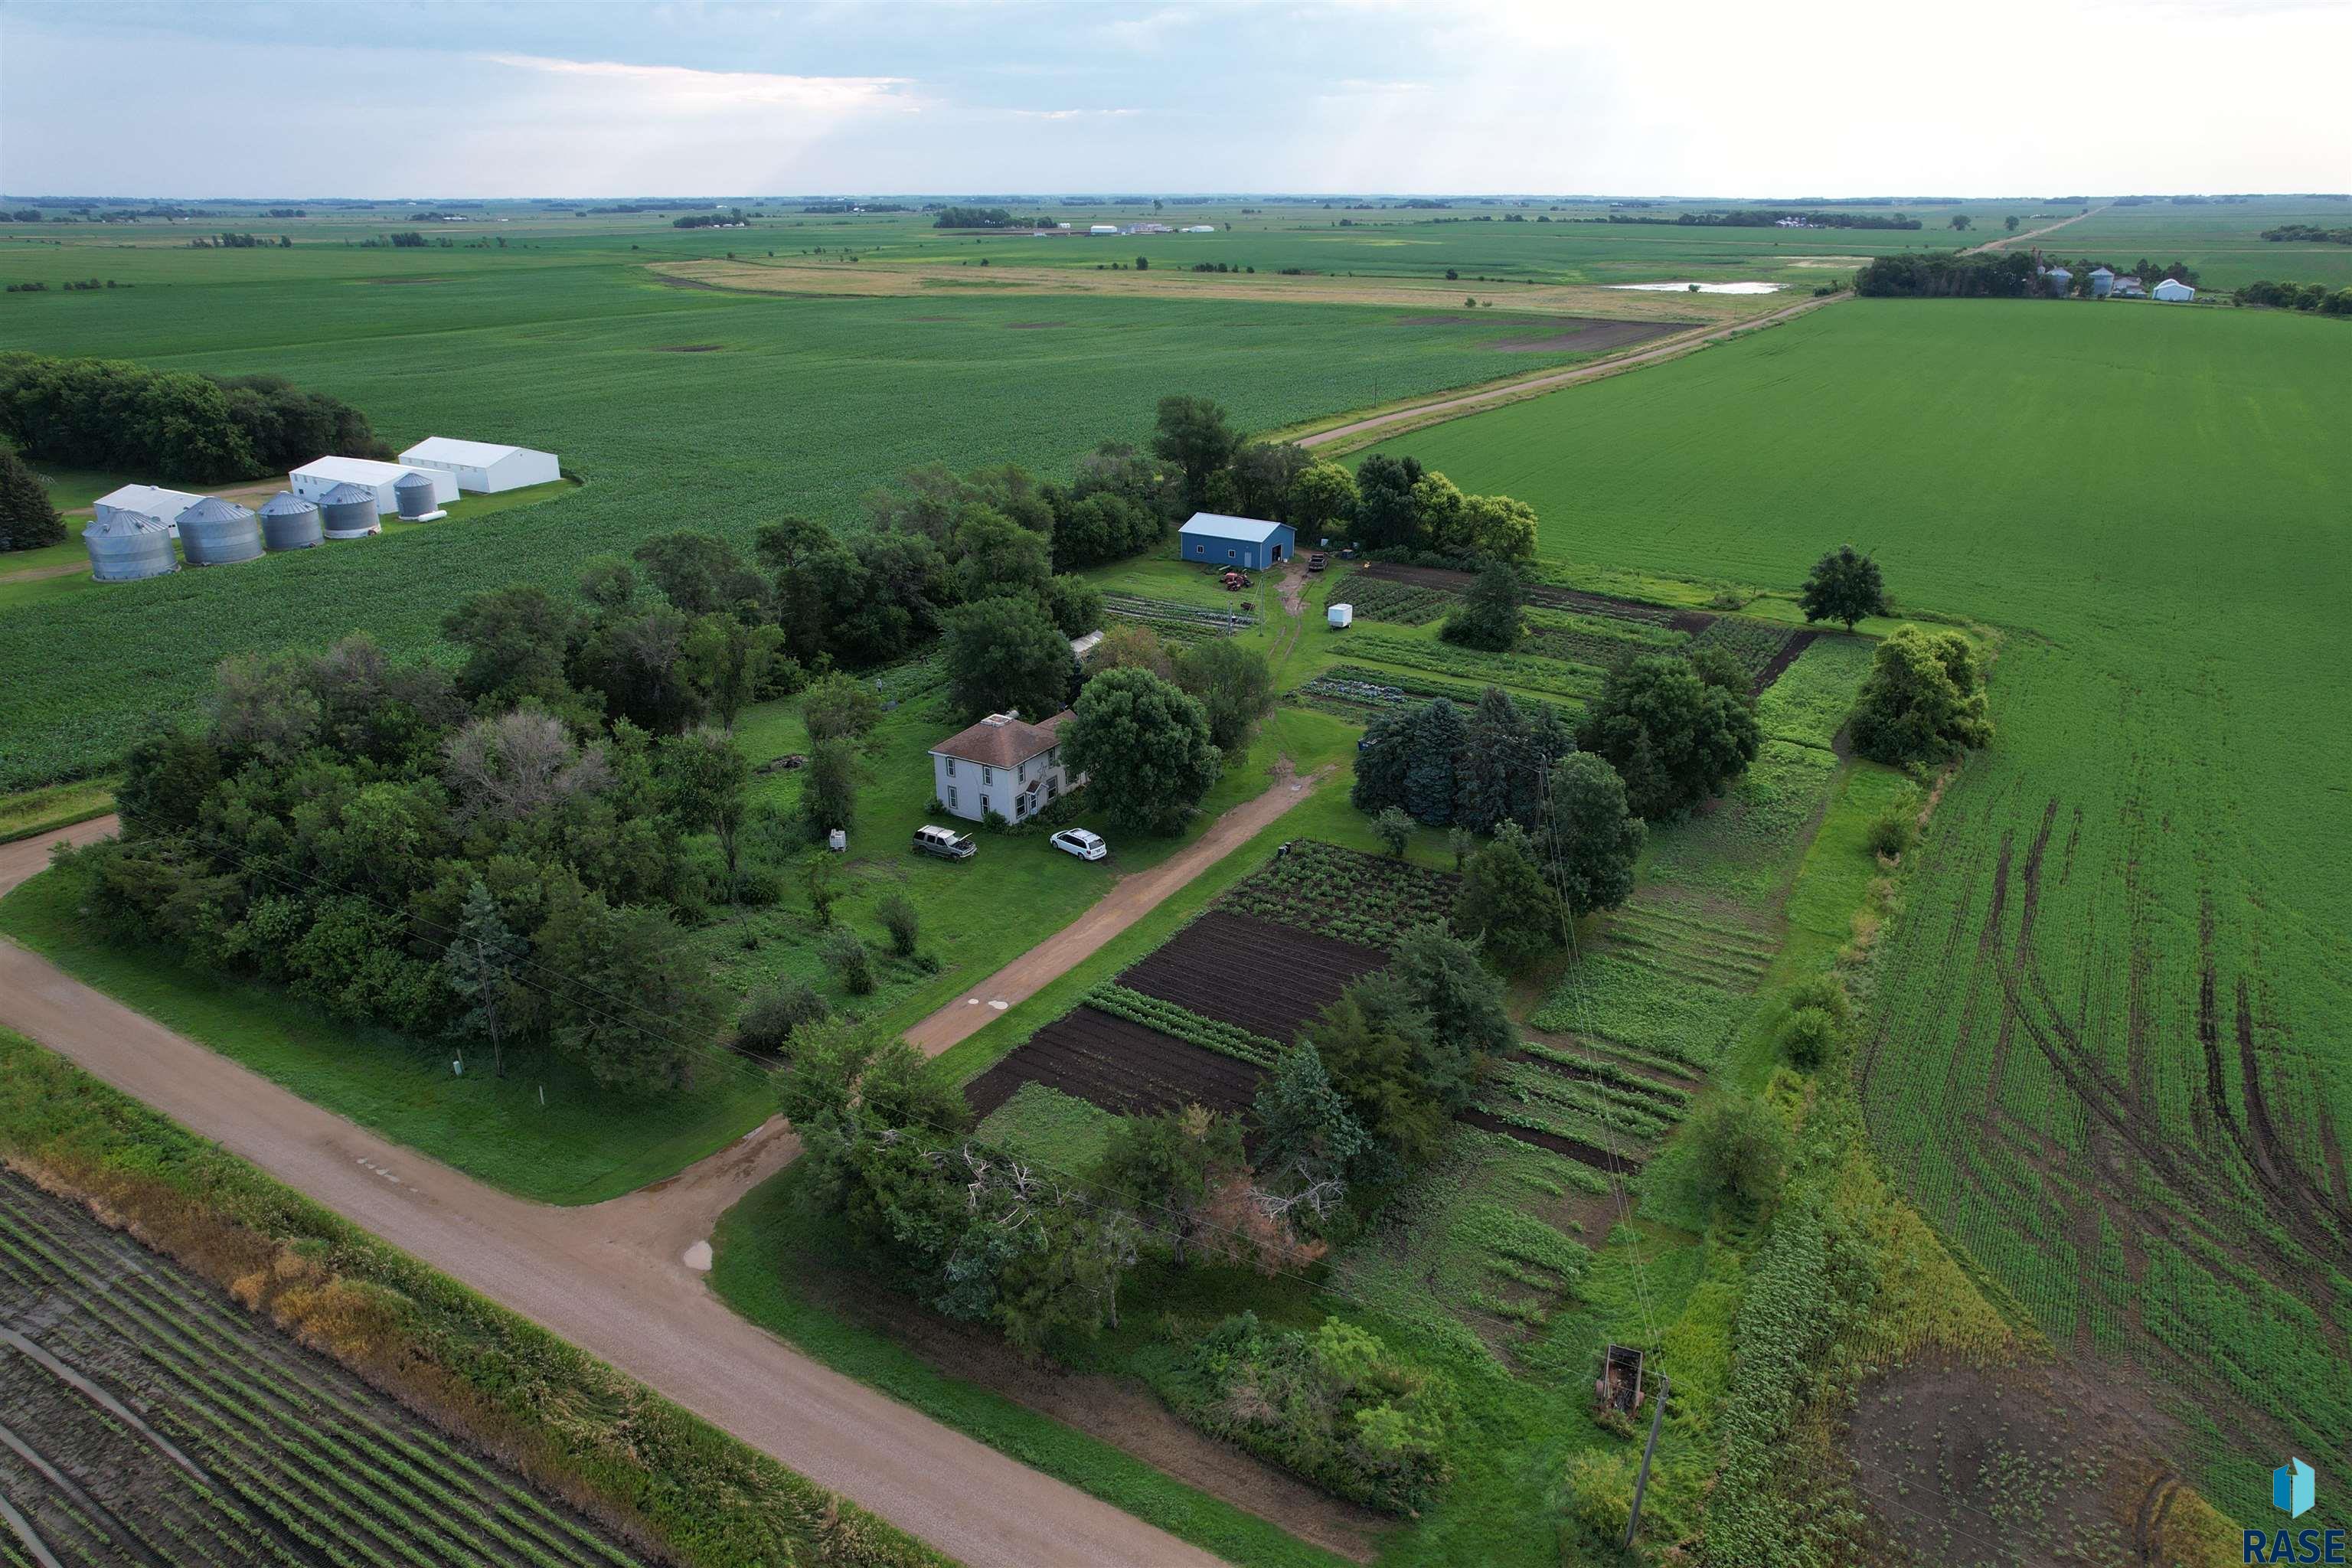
{"type": "Point", "coordinates": [314, 480]}
{"type": "Point", "coordinates": [1250, 542]}
{"type": "Point", "coordinates": [2174, 290]}
{"type": "Point", "coordinates": [217, 532]}
{"type": "Point", "coordinates": [484, 467]}
{"type": "Point", "coordinates": [144, 501]}
{"type": "Point", "coordinates": [347, 512]}
{"type": "Point", "coordinates": [125, 546]}
{"type": "Point", "coordinates": [290, 522]}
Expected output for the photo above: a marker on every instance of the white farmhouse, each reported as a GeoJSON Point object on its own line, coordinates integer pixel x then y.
{"type": "Point", "coordinates": [144, 501]}
{"type": "Point", "coordinates": [1003, 765]}
{"type": "Point", "coordinates": [484, 467]}
{"type": "Point", "coordinates": [314, 478]}
{"type": "Point", "coordinates": [2174, 290]}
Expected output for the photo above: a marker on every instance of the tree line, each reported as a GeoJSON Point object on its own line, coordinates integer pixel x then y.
{"type": "Point", "coordinates": [984, 217]}
{"type": "Point", "coordinates": [1948, 274]}
{"type": "Point", "coordinates": [2311, 234]}
{"type": "Point", "coordinates": [171, 424]}
{"type": "Point", "coordinates": [1762, 217]}
{"type": "Point", "coordinates": [2297, 297]}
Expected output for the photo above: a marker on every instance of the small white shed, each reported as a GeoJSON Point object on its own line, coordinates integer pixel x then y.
{"type": "Point", "coordinates": [1342, 616]}
{"type": "Point", "coordinates": [314, 478]}
{"type": "Point", "coordinates": [143, 500]}
{"type": "Point", "coordinates": [485, 468]}
{"type": "Point", "coordinates": [2173, 289]}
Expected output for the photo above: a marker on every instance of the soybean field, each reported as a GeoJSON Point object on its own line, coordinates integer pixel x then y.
{"type": "Point", "coordinates": [2109, 1051]}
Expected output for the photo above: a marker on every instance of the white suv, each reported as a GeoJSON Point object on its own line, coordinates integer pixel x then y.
{"type": "Point", "coordinates": [1080, 842]}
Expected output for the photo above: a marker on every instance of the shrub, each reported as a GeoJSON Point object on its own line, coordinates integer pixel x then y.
{"type": "Point", "coordinates": [1394, 828]}
{"type": "Point", "coordinates": [1807, 1038]}
{"type": "Point", "coordinates": [1824, 991]}
{"type": "Point", "coordinates": [1334, 1406]}
{"type": "Point", "coordinates": [840, 706]}
{"type": "Point", "coordinates": [774, 1013]}
{"type": "Point", "coordinates": [1893, 832]}
{"type": "Point", "coordinates": [1600, 1484]}
{"type": "Point", "coordinates": [1742, 1149]}
{"type": "Point", "coordinates": [846, 953]}
{"type": "Point", "coordinates": [899, 919]}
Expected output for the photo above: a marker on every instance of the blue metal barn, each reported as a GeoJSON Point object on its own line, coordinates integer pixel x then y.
{"type": "Point", "coordinates": [1249, 543]}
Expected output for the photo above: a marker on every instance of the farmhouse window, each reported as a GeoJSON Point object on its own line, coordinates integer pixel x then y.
{"type": "Point", "coordinates": [987, 775]}
{"type": "Point", "coordinates": [951, 797]}
{"type": "Point", "coordinates": [950, 767]}
{"type": "Point", "coordinates": [1229, 555]}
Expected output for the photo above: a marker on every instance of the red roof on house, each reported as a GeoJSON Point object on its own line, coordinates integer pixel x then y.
{"type": "Point", "coordinates": [1003, 740]}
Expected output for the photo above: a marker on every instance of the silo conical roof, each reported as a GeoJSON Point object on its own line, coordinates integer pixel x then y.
{"type": "Point", "coordinates": [347, 492]}
{"type": "Point", "coordinates": [409, 481]}
{"type": "Point", "coordinates": [211, 509]}
{"type": "Point", "coordinates": [286, 503]}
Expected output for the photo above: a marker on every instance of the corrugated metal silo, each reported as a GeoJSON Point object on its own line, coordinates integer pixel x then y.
{"type": "Point", "coordinates": [128, 546]}
{"type": "Point", "coordinates": [217, 532]}
{"type": "Point", "coordinates": [347, 512]}
{"type": "Point", "coordinates": [289, 522]}
{"type": "Point", "coordinates": [413, 495]}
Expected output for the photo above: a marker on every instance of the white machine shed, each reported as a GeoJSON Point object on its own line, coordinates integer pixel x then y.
{"type": "Point", "coordinates": [314, 478]}
{"type": "Point", "coordinates": [485, 468]}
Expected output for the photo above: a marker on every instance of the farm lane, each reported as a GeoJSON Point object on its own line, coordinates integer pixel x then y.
{"type": "Point", "coordinates": [607, 1279]}
{"type": "Point", "coordinates": [1129, 900]}
{"type": "Point", "coordinates": [1455, 406]}
{"type": "Point", "coordinates": [2030, 233]}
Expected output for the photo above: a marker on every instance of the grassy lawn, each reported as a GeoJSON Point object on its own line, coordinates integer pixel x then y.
{"type": "Point", "coordinates": [563, 1152]}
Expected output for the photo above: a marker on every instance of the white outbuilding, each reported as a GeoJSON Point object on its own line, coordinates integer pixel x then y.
{"type": "Point", "coordinates": [2173, 289]}
{"type": "Point", "coordinates": [485, 468]}
{"type": "Point", "coordinates": [314, 478]}
{"type": "Point", "coordinates": [143, 500]}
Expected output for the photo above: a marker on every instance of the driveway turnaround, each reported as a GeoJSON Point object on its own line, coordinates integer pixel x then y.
{"type": "Point", "coordinates": [612, 1279]}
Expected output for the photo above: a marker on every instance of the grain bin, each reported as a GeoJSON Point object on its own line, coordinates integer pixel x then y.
{"type": "Point", "coordinates": [347, 512]}
{"type": "Point", "coordinates": [217, 532]}
{"type": "Point", "coordinates": [289, 522]}
{"type": "Point", "coordinates": [412, 494]}
{"type": "Point", "coordinates": [128, 546]}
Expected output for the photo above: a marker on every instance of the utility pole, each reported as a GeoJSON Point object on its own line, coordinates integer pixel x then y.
{"type": "Point", "coordinates": [1641, 1481]}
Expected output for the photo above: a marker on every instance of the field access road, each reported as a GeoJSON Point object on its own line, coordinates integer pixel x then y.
{"type": "Point", "coordinates": [2030, 233]}
{"type": "Point", "coordinates": [609, 1278]}
{"type": "Point", "coordinates": [1486, 398]}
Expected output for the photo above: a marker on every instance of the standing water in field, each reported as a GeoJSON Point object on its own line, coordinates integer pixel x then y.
{"type": "Point", "coordinates": [1750, 288]}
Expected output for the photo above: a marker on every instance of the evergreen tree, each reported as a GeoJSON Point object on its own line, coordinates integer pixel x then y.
{"type": "Point", "coordinates": [1303, 1124]}
{"type": "Point", "coordinates": [479, 963]}
{"type": "Point", "coordinates": [1438, 737]}
{"type": "Point", "coordinates": [1468, 1022]}
{"type": "Point", "coordinates": [28, 521]}
{"type": "Point", "coordinates": [1499, 748]}
{"type": "Point", "coordinates": [1492, 614]}
{"type": "Point", "coordinates": [1382, 758]}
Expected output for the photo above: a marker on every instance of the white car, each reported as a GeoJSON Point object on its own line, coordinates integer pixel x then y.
{"type": "Point", "coordinates": [1080, 842]}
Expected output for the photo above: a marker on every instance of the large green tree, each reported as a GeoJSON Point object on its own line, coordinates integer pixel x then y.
{"type": "Point", "coordinates": [1492, 614]}
{"type": "Point", "coordinates": [1509, 903]}
{"type": "Point", "coordinates": [1439, 735]}
{"type": "Point", "coordinates": [1194, 435]}
{"type": "Point", "coordinates": [1924, 699]}
{"type": "Point", "coordinates": [1590, 837]}
{"type": "Point", "coordinates": [1843, 585]}
{"type": "Point", "coordinates": [1144, 747]}
{"type": "Point", "coordinates": [1006, 655]}
{"type": "Point", "coordinates": [1322, 499]}
{"type": "Point", "coordinates": [1673, 738]}
{"type": "Point", "coordinates": [1233, 684]}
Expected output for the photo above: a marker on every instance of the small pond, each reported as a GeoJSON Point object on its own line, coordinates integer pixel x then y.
{"type": "Point", "coordinates": [1702, 287]}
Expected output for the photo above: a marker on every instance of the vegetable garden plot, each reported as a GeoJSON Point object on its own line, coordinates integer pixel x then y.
{"type": "Point", "coordinates": [1268, 979]}
{"type": "Point", "coordinates": [1355, 692]}
{"type": "Point", "coordinates": [1345, 893]}
{"type": "Point", "coordinates": [154, 1421]}
{"type": "Point", "coordinates": [1551, 595]}
{"type": "Point", "coordinates": [1403, 603]}
{"type": "Point", "coordinates": [1178, 619]}
{"type": "Point", "coordinates": [1120, 1065]}
{"type": "Point", "coordinates": [1525, 672]}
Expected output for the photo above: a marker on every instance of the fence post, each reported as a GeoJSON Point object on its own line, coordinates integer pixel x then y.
{"type": "Point", "coordinates": [1641, 1481]}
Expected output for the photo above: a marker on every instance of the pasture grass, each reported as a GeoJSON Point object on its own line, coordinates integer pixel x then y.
{"type": "Point", "coordinates": [28, 813]}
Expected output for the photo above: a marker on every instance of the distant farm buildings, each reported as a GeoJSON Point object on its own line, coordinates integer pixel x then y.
{"type": "Point", "coordinates": [315, 478]}
{"type": "Point", "coordinates": [2103, 282]}
{"type": "Point", "coordinates": [2059, 280]}
{"type": "Point", "coordinates": [1200, 228]}
{"type": "Point", "coordinates": [2174, 290]}
{"type": "Point", "coordinates": [1103, 228]}
{"type": "Point", "coordinates": [217, 533]}
{"type": "Point", "coordinates": [290, 522]}
{"type": "Point", "coordinates": [484, 467]}
{"type": "Point", "coordinates": [125, 546]}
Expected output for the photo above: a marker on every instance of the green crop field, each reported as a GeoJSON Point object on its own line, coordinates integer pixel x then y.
{"type": "Point", "coordinates": [2109, 1052]}
{"type": "Point", "coordinates": [2223, 241]}
{"type": "Point", "coordinates": [795, 405]}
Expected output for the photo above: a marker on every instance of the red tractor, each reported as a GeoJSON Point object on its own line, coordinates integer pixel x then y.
{"type": "Point", "coordinates": [1236, 582]}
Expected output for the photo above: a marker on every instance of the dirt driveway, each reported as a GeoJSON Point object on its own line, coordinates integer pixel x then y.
{"type": "Point", "coordinates": [1129, 900]}
{"type": "Point", "coordinates": [611, 1278]}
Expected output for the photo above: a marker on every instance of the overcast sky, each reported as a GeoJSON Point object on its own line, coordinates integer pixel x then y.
{"type": "Point", "coordinates": [1989, 98]}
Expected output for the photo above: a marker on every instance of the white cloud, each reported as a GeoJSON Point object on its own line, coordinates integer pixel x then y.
{"type": "Point", "coordinates": [679, 90]}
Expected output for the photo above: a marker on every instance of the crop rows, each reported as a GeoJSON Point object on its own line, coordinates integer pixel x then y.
{"type": "Point", "coordinates": [1404, 604]}
{"type": "Point", "coordinates": [1170, 1019]}
{"type": "Point", "coordinates": [1810, 701]}
{"type": "Point", "coordinates": [298, 1462]}
{"type": "Point", "coordinates": [1123, 1067]}
{"type": "Point", "coordinates": [1266, 978]}
{"type": "Point", "coordinates": [1678, 933]}
{"type": "Point", "coordinates": [1355, 692]}
{"type": "Point", "coordinates": [1178, 619]}
{"type": "Point", "coordinates": [1345, 893]}
{"type": "Point", "coordinates": [1754, 644]}
{"type": "Point", "coordinates": [1527, 672]}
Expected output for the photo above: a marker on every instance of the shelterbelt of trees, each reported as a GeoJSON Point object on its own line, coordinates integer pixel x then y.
{"type": "Point", "coordinates": [171, 424]}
